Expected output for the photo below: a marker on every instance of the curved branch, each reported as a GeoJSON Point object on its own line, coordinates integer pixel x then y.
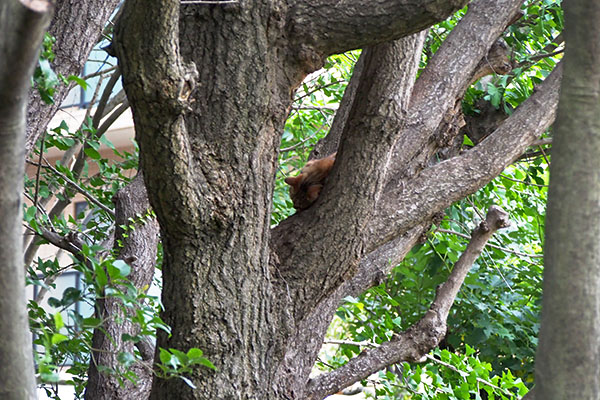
{"type": "Point", "coordinates": [447, 75]}
{"type": "Point", "coordinates": [418, 340]}
{"type": "Point", "coordinates": [334, 26]}
{"type": "Point", "coordinates": [355, 181]}
{"type": "Point", "coordinates": [159, 105]}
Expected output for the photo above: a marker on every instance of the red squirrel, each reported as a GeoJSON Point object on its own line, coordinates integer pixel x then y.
{"type": "Point", "coordinates": [306, 187]}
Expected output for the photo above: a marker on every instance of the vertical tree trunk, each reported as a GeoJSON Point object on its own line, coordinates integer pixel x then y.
{"type": "Point", "coordinates": [22, 26]}
{"type": "Point", "coordinates": [136, 246]}
{"type": "Point", "coordinates": [569, 348]}
{"type": "Point", "coordinates": [212, 201]}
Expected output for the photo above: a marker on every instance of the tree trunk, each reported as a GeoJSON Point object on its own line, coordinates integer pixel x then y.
{"type": "Point", "coordinates": [22, 26]}
{"type": "Point", "coordinates": [137, 246]}
{"type": "Point", "coordinates": [569, 349]}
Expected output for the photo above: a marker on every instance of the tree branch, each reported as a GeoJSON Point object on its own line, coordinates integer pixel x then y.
{"type": "Point", "coordinates": [160, 106]}
{"type": "Point", "coordinates": [413, 344]}
{"type": "Point", "coordinates": [361, 164]}
{"type": "Point", "coordinates": [440, 185]}
{"type": "Point", "coordinates": [333, 26]}
{"type": "Point", "coordinates": [447, 75]}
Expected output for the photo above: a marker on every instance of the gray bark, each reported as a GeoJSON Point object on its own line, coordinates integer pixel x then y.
{"type": "Point", "coordinates": [138, 248]}
{"type": "Point", "coordinates": [22, 26]}
{"type": "Point", "coordinates": [569, 352]}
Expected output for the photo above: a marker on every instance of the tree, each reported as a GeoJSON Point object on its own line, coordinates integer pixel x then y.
{"type": "Point", "coordinates": [22, 26]}
{"type": "Point", "coordinates": [567, 357]}
{"type": "Point", "coordinates": [210, 89]}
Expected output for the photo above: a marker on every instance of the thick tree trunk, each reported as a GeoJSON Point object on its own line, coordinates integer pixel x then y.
{"type": "Point", "coordinates": [569, 349]}
{"type": "Point", "coordinates": [22, 26]}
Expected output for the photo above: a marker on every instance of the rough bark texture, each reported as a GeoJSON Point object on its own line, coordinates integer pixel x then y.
{"type": "Point", "coordinates": [22, 26]}
{"type": "Point", "coordinates": [76, 25]}
{"type": "Point", "coordinates": [138, 248]}
{"type": "Point", "coordinates": [209, 91]}
{"type": "Point", "coordinates": [569, 353]}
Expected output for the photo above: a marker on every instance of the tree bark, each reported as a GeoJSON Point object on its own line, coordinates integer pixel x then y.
{"type": "Point", "coordinates": [569, 352]}
{"type": "Point", "coordinates": [22, 26]}
{"type": "Point", "coordinates": [137, 246]}
{"type": "Point", "coordinates": [76, 25]}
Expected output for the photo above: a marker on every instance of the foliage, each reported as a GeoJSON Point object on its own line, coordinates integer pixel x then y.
{"type": "Point", "coordinates": [446, 376]}
{"type": "Point", "coordinates": [62, 326]}
{"type": "Point", "coordinates": [44, 77]}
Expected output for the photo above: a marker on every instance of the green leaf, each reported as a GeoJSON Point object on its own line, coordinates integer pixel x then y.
{"type": "Point", "coordinates": [206, 363]}
{"type": "Point", "coordinates": [194, 353]}
{"type": "Point", "coordinates": [81, 82]}
{"type": "Point", "coordinates": [123, 268]}
{"type": "Point", "coordinates": [101, 278]}
{"type": "Point", "coordinates": [165, 356]}
{"type": "Point", "coordinates": [50, 376]}
{"type": "Point", "coordinates": [58, 321]}
{"type": "Point", "coordinates": [92, 322]}
{"type": "Point", "coordinates": [54, 302]}
{"type": "Point", "coordinates": [181, 356]}
{"type": "Point", "coordinates": [30, 213]}
{"type": "Point", "coordinates": [92, 153]}
{"type": "Point", "coordinates": [125, 358]}
{"type": "Point", "coordinates": [58, 338]}
{"type": "Point", "coordinates": [70, 296]}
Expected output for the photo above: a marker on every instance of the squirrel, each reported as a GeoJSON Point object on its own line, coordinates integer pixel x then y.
{"type": "Point", "coordinates": [306, 187]}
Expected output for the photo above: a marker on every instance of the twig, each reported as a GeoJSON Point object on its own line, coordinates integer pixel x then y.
{"type": "Point", "coordinates": [315, 108]}
{"type": "Point", "coordinates": [523, 182]}
{"type": "Point", "coordinates": [350, 342]}
{"type": "Point", "coordinates": [103, 72]}
{"type": "Point", "coordinates": [37, 172]}
{"type": "Point", "coordinates": [545, 55]}
{"type": "Point", "coordinates": [303, 95]}
{"type": "Point", "coordinates": [544, 155]}
{"type": "Point", "coordinates": [40, 209]}
{"type": "Point", "coordinates": [462, 235]}
{"type": "Point", "coordinates": [77, 187]}
{"type": "Point", "coordinates": [295, 146]}
{"type": "Point", "coordinates": [542, 142]}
